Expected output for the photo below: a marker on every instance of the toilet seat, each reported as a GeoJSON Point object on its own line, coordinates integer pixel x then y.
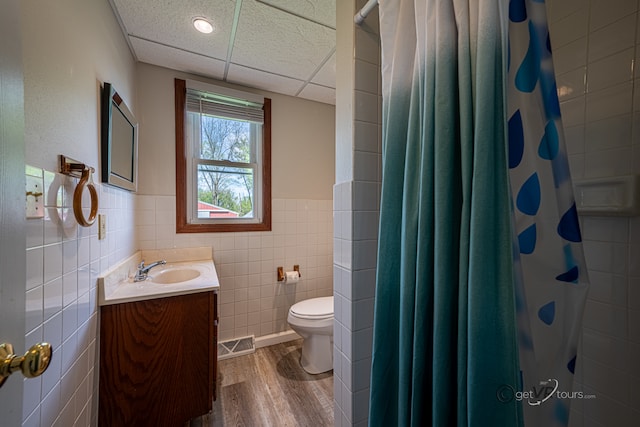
{"type": "Point", "coordinates": [313, 309]}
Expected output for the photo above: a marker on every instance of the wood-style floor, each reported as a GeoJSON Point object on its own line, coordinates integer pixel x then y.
{"type": "Point", "coordinates": [270, 388]}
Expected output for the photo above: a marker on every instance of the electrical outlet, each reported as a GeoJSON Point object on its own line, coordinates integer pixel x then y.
{"type": "Point", "coordinates": [102, 226]}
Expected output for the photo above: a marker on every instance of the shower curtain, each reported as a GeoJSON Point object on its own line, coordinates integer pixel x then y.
{"type": "Point", "coordinates": [463, 227]}
{"type": "Point", "coordinates": [551, 277]}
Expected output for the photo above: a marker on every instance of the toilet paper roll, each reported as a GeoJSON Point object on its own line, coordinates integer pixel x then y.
{"type": "Point", "coordinates": [291, 277]}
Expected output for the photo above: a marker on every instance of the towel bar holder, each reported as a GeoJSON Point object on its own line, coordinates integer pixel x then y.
{"type": "Point", "coordinates": [85, 173]}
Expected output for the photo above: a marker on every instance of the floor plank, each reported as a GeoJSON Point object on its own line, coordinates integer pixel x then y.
{"type": "Point", "coordinates": [270, 388]}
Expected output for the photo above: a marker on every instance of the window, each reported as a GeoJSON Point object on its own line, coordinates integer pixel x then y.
{"type": "Point", "coordinates": [223, 159]}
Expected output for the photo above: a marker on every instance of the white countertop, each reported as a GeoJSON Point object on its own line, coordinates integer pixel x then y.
{"type": "Point", "coordinates": [117, 286]}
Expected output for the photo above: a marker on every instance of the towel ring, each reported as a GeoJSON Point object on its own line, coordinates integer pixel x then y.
{"type": "Point", "coordinates": [86, 180]}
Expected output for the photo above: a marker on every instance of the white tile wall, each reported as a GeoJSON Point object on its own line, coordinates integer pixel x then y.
{"type": "Point", "coordinates": [252, 301]}
{"type": "Point", "coordinates": [63, 263]}
{"type": "Point", "coordinates": [356, 214]}
{"type": "Point", "coordinates": [570, 56]}
{"type": "Point", "coordinates": [568, 28]}
{"type": "Point", "coordinates": [602, 136]}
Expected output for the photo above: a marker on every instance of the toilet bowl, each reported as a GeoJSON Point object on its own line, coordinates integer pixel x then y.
{"type": "Point", "coordinates": [312, 319]}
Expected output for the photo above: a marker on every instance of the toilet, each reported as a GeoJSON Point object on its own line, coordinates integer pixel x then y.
{"type": "Point", "coordinates": [312, 319]}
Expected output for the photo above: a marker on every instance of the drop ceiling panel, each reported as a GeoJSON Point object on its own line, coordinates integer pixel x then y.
{"type": "Point", "coordinates": [321, 11]}
{"type": "Point", "coordinates": [279, 42]}
{"type": "Point", "coordinates": [170, 23]}
{"type": "Point", "coordinates": [319, 93]}
{"type": "Point", "coordinates": [177, 59]}
{"type": "Point", "coordinates": [263, 80]}
{"type": "Point", "coordinates": [326, 76]}
{"type": "Point", "coordinates": [278, 45]}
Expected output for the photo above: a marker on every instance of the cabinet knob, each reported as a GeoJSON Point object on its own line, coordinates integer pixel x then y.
{"type": "Point", "coordinates": [32, 364]}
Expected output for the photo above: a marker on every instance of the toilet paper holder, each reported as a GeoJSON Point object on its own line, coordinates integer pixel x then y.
{"type": "Point", "coordinates": [281, 272]}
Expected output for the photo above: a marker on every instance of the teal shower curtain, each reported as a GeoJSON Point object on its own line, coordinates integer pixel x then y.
{"type": "Point", "coordinates": [444, 331]}
{"type": "Point", "coordinates": [481, 280]}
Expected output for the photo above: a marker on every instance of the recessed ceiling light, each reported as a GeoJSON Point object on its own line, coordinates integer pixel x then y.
{"type": "Point", "coordinates": [203, 25]}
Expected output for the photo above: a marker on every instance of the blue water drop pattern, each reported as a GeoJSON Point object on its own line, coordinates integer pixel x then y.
{"type": "Point", "coordinates": [528, 200]}
{"type": "Point", "coordinates": [571, 366]}
{"type": "Point", "coordinates": [560, 170]}
{"type": "Point", "coordinates": [517, 11]}
{"type": "Point", "coordinates": [527, 240]}
{"type": "Point", "coordinates": [550, 276]}
{"type": "Point", "coordinates": [547, 313]}
{"type": "Point", "coordinates": [516, 140]}
{"type": "Point", "coordinates": [549, 91]}
{"type": "Point", "coordinates": [560, 411]}
{"type": "Point", "coordinates": [549, 145]}
{"type": "Point", "coordinates": [572, 267]}
{"type": "Point", "coordinates": [569, 227]}
{"type": "Point", "coordinates": [570, 276]}
{"type": "Point", "coordinates": [524, 341]}
{"type": "Point", "coordinates": [529, 70]}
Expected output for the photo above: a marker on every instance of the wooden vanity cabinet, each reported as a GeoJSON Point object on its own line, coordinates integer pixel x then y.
{"type": "Point", "coordinates": [158, 360]}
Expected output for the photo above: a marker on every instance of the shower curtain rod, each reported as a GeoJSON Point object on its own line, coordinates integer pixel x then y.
{"type": "Point", "coordinates": [362, 13]}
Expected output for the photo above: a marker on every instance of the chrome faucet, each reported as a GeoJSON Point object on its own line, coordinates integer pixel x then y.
{"type": "Point", "coordinates": [143, 271]}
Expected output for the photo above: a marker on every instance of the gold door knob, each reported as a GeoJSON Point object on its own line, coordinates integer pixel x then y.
{"type": "Point", "coordinates": [34, 362]}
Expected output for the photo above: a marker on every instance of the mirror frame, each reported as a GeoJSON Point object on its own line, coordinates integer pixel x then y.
{"type": "Point", "coordinates": [110, 100]}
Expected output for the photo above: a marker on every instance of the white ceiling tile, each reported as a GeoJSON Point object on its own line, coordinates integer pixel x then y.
{"type": "Point", "coordinates": [326, 76]}
{"type": "Point", "coordinates": [262, 80]}
{"type": "Point", "coordinates": [322, 11]}
{"type": "Point", "coordinates": [280, 43]}
{"type": "Point", "coordinates": [319, 93]}
{"type": "Point", "coordinates": [177, 59]}
{"type": "Point", "coordinates": [170, 23]}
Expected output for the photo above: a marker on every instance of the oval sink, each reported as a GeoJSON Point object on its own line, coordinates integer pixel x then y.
{"type": "Point", "coordinates": [175, 275]}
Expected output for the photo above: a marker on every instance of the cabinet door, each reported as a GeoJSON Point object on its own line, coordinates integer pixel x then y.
{"type": "Point", "coordinates": [155, 367]}
{"type": "Point", "coordinates": [214, 362]}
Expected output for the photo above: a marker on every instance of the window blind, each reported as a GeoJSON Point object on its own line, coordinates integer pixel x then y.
{"type": "Point", "coordinates": [224, 106]}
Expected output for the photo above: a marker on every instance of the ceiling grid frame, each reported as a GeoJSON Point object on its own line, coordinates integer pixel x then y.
{"type": "Point", "coordinates": [276, 45]}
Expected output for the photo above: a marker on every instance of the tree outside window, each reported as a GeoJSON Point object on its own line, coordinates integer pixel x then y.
{"type": "Point", "coordinates": [226, 187]}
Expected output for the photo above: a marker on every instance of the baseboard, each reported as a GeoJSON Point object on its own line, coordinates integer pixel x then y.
{"type": "Point", "coordinates": [277, 338]}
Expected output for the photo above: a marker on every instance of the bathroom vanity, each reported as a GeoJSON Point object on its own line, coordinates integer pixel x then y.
{"type": "Point", "coordinates": [158, 351]}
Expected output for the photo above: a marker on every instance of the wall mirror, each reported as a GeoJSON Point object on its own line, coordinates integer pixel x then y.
{"type": "Point", "coordinates": [119, 147]}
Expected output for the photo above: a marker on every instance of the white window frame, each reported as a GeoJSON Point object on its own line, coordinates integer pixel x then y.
{"type": "Point", "coordinates": [193, 163]}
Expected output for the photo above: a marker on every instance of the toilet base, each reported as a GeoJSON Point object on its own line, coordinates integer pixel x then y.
{"type": "Point", "coordinates": [317, 354]}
